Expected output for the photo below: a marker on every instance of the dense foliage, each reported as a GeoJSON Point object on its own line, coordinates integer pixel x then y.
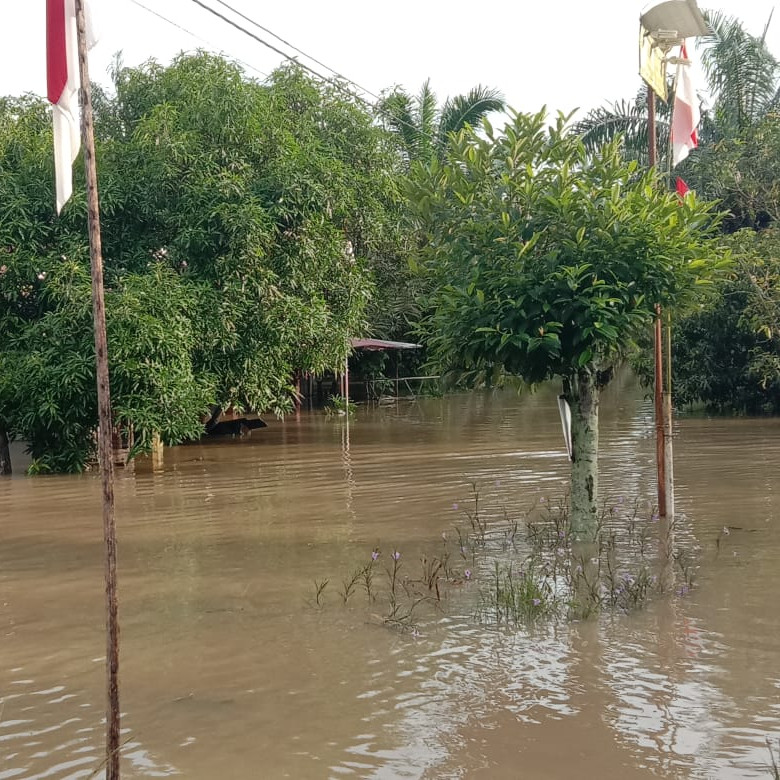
{"type": "Point", "coordinates": [727, 354]}
{"type": "Point", "coordinates": [242, 223]}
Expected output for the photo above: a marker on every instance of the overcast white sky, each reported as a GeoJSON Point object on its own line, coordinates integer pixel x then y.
{"type": "Point", "coordinates": [561, 53]}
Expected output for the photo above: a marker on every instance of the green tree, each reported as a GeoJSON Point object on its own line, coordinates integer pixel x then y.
{"type": "Point", "coordinates": [242, 223]}
{"type": "Point", "coordinates": [742, 172]}
{"type": "Point", "coordinates": [547, 261]}
{"type": "Point", "coordinates": [727, 353]}
{"type": "Point", "coordinates": [423, 127]}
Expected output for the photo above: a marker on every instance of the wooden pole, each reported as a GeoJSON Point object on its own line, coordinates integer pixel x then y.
{"type": "Point", "coordinates": [104, 407]}
{"type": "Point", "coordinates": [346, 383]}
{"type": "Point", "coordinates": [660, 451]}
{"type": "Point", "coordinates": [668, 441]}
{"type": "Point", "coordinates": [5, 454]}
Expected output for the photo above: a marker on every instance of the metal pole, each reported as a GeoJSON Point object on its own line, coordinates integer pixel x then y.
{"type": "Point", "coordinates": [660, 444]}
{"type": "Point", "coordinates": [104, 408]}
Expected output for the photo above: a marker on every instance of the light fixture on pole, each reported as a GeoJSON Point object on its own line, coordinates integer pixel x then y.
{"type": "Point", "coordinates": [661, 28]}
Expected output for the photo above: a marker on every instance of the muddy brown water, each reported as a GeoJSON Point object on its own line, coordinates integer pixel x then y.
{"type": "Point", "coordinates": [228, 672]}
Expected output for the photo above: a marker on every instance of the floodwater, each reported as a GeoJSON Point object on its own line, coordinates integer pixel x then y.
{"type": "Point", "coordinates": [229, 671]}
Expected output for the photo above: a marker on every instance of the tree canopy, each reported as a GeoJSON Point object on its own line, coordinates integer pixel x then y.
{"type": "Point", "coordinates": [423, 127]}
{"type": "Point", "coordinates": [548, 261]}
{"type": "Point", "coordinates": [241, 225]}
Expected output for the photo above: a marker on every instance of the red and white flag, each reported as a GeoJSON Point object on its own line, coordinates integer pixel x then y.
{"type": "Point", "coordinates": [685, 114]}
{"type": "Point", "coordinates": [62, 77]}
{"type": "Point", "coordinates": [682, 188]}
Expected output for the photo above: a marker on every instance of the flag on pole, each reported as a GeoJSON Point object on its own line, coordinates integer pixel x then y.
{"type": "Point", "coordinates": [62, 79]}
{"type": "Point", "coordinates": [685, 115]}
{"type": "Point", "coordinates": [681, 187]}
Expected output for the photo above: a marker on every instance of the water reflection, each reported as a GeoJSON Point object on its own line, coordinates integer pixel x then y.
{"type": "Point", "coordinates": [228, 671]}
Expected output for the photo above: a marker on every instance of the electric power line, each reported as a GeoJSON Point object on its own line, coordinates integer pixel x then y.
{"type": "Point", "coordinates": [193, 35]}
{"type": "Point", "coordinates": [296, 49]}
{"type": "Point", "coordinates": [375, 107]}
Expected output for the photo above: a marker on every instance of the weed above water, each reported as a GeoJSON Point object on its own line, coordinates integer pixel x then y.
{"type": "Point", "coordinates": [527, 567]}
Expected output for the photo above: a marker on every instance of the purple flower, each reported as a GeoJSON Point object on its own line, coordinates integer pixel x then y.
{"type": "Point", "coordinates": [654, 518]}
{"type": "Point", "coordinates": [620, 499]}
{"type": "Point", "coordinates": [463, 550]}
{"type": "Point", "coordinates": [455, 505]}
{"type": "Point", "coordinates": [541, 500]}
{"type": "Point", "coordinates": [537, 602]}
{"type": "Point", "coordinates": [374, 555]}
{"type": "Point", "coordinates": [467, 574]}
{"type": "Point", "coordinates": [396, 555]}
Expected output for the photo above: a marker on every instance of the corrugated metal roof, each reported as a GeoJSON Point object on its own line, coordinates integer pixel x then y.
{"type": "Point", "coordinates": [379, 344]}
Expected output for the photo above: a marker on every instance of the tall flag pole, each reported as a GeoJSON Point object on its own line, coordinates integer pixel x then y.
{"type": "Point", "coordinates": [67, 40]}
{"type": "Point", "coordinates": [686, 116]}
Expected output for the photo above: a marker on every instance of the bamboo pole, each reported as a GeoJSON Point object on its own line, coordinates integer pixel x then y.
{"type": "Point", "coordinates": [104, 407]}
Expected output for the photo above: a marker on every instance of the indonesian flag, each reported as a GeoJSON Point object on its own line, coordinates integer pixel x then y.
{"type": "Point", "coordinates": [686, 114]}
{"type": "Point", "coordinates": [681, 187]}
{"type": "Point", "coordinates": [62, 77]}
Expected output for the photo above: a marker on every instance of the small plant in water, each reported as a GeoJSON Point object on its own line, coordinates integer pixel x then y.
{"type": "Point", "coordinates": [319, 589]}
{"type": "Point", "coordinates": [774, 759]}
{"type": "Point", "coordinates": [529, 567]}
{"type": "Point", "coordinates": [337, 405]}
{"type": "Point", "coordinates": [516, 594]}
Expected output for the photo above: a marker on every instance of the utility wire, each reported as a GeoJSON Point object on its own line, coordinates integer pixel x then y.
{"type": "Point", "coordinates": [260, 40]}
{"type": "Point", "coordinates": [193, 35]}
{"type": "Point", "coordinates": [296, 49]}
{"type": "Point", "coordinates": [334, 82]}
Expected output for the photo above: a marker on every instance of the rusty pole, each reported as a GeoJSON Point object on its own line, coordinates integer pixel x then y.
{"type": "Point", "coordinates": [105, 458]}
{"type": "Point", "coordinates": [660, 439]}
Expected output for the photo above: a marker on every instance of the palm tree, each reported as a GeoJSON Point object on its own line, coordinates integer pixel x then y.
{"type": "Point", "coordinates": [629, 119]}
{"type": "Point", "coordinates": [742, 76]}
{"type": "Point", "coordinates": [423, 128]}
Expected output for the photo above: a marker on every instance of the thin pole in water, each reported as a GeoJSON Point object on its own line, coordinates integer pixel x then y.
{"type": "Point", "coordinates": [660, 443]}
{"type": "Point", "coordinates": [105, 448]}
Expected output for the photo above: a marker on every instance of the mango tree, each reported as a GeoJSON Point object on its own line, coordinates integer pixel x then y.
{"type": "Point", "coordinates": [548, 261]}
{"type": "Point", "coordinates": [243, 223]}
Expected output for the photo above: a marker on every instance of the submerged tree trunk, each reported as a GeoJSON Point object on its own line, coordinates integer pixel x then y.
{"type": "Point", "coordinates": [582, 392]}
{"type": "Point", "coordinates": [5, 454]}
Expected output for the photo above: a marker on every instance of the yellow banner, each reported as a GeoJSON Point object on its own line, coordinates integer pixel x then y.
{"type": "Point", "coordinates": [652, 64]}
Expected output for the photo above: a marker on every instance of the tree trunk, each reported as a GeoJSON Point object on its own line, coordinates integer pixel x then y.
{"type": "Point", "coordinates": [582, 392]}
{"type": "Point", "coordinates": [5, 454]}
